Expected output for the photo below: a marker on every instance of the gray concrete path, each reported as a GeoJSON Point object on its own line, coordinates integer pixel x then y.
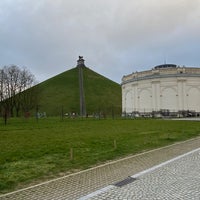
{"type": "Point", "coordinates": [79, 185]}
{"type": "Point", "coordinates": [177, 178]}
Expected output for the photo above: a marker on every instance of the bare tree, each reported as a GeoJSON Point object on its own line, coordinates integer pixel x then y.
{"type": "Point", "coordinates": [1, 85]}
{"type": "Point", "coordinates": [14, 81]}
{"type": "Point", "coordinates": [11, 84]}
{"type": "Point", "coordinates": [27, 95]}
{"type": "Point", "coordinates": [3, 105]}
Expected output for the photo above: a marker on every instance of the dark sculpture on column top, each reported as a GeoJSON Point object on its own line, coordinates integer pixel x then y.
{"type": "Point", "coordinates": [80, 62]}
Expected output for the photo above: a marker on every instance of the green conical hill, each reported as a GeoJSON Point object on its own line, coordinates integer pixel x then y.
{"type": "Point", "coordinates": [61, 93]}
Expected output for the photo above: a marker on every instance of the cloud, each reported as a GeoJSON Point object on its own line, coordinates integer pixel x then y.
{"type": "Point", "coordinates": [115, 37]}
{"type": "Point", "coordinates": [142, 23]}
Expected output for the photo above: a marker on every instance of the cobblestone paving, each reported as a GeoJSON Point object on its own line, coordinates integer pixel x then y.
{"type": "Point", "coordinates": [80, 184]}
{"type": "Point", "coordinates": [179, 179]}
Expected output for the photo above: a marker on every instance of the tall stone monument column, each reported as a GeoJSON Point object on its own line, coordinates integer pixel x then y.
{"type": "Point", "coordinates": [81, 65]}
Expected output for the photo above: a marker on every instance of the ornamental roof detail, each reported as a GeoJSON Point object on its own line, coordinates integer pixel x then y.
{"type": "Point", "coordinates": [162, 71]}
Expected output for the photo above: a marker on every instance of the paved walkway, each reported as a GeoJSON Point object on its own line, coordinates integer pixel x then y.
{"type": "Point", "coordinates": [79, 185]}
{"type": "Point", "coordinates": [178, 178]}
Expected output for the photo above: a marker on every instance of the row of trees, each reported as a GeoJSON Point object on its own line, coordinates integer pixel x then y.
{"type": "Point", "coordinates": [16, 90]}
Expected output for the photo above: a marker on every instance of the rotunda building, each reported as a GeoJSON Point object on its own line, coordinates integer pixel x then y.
{"type": "Point", "coordinates": [165, 90]}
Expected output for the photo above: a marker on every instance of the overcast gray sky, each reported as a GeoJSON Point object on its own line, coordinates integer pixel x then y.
{"type": "Point", "coordinates": [115, 37]}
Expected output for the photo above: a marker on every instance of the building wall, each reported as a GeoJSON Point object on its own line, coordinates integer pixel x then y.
{"type": "Point", "coordinates": [166, 89]}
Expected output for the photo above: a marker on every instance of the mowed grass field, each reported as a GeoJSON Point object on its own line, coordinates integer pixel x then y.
{"type": "Point", "coordinates": [33, 151]}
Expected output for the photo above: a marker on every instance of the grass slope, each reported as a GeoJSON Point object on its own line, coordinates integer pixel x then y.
{"type": "Point", "coordinates": [62, 91]}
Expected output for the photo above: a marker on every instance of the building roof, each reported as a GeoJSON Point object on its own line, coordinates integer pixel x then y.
{"type": "Point", "coordinates": [165, 66]}
{"type": "Point", "coordinates": [162, 71]}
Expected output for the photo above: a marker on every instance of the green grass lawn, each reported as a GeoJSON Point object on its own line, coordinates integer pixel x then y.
{"type": "Point", "coordinates": [32, 151]}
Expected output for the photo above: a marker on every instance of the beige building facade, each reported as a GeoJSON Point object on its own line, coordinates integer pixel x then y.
{"type": "Point", "coordinates": [164, 90]}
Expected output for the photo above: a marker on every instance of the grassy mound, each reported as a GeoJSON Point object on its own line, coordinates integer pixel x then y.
{"type": "Point", "coordinates": [61, 93]}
